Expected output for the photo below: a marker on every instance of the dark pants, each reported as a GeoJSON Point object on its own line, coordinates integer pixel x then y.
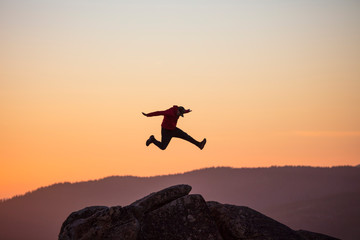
{"type": "Point", "coordinates": [167, 135]}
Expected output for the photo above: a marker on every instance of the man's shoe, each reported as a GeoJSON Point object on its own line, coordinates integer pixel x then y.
{"type": "Point", "coordinates": [150, 140]}
{"type": "Point", "coordinates": [202, 144]}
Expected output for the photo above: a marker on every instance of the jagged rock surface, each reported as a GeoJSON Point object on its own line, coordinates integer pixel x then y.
{"type": "Point", "coordinates": [158, 199]}
{"type": "Point", "coordinates": [184, 218]}
{"type": "Point", "coordinates": [172, 214]}
{"type": "Point", "coordinates": [105, 223]}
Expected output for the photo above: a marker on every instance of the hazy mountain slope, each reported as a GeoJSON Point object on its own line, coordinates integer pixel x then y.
{"type": "Point", "coordinates": [334, 213]}
{"type": "Point", "coordinates": [274, 191]}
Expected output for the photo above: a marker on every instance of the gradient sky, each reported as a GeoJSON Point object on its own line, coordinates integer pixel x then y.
{"type": "Point", "coordinates": [269, 83]}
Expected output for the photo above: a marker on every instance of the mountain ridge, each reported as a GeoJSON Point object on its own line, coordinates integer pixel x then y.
{"type": "Point", "coordinates": [167, 175]}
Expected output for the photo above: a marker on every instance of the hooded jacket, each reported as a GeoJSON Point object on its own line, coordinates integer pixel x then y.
{"type": "Point", "coordinates": [170, 117]}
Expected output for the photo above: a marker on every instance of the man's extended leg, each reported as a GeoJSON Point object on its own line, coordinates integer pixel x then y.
{"type": "Point", "coordinates": [183, 135]}
{"type": "Point", "coordinates": [166, 136]}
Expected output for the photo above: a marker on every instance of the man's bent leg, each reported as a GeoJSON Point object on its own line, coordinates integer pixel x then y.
{"type": "Point", "coordinates": [165, 139]}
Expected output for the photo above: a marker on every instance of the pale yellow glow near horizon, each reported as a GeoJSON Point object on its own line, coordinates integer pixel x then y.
{"type": "Point", "coordinates": [270, 83]}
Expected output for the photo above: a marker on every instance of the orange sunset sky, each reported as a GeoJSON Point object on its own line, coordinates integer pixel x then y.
{"type": "Point", "coordinates": [269, 83]}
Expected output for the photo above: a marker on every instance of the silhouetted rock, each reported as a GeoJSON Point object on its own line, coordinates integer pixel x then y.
{"type": "Point", "coordinates": [184, 218]}
{"type": "Point", "coordinates": [82, 214]}
{"type": "Point", "coordinates": [172, 214]}
{"type": "Point", "coordinates": [109, 223]}
{"type": "Point", "coordinates": [162, 197]}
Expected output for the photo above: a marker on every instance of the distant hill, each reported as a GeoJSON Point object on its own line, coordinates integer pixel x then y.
{"type": "Point", "coordinates": [323, 200]}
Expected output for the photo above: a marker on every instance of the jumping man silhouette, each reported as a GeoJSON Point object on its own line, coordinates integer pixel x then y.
{"type": "Point", "coordinates": [169, 129]}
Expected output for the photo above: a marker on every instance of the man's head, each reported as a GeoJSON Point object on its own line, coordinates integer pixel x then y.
{"type": "Point", "coordinates": [181, 111]}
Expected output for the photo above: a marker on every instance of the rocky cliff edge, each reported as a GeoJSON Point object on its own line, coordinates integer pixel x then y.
{"type": "Point", "coordinates": [173, 214]}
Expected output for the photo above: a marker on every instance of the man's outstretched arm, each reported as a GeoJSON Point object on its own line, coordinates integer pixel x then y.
{"type": "Point", "coordinates": [152, 114]}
